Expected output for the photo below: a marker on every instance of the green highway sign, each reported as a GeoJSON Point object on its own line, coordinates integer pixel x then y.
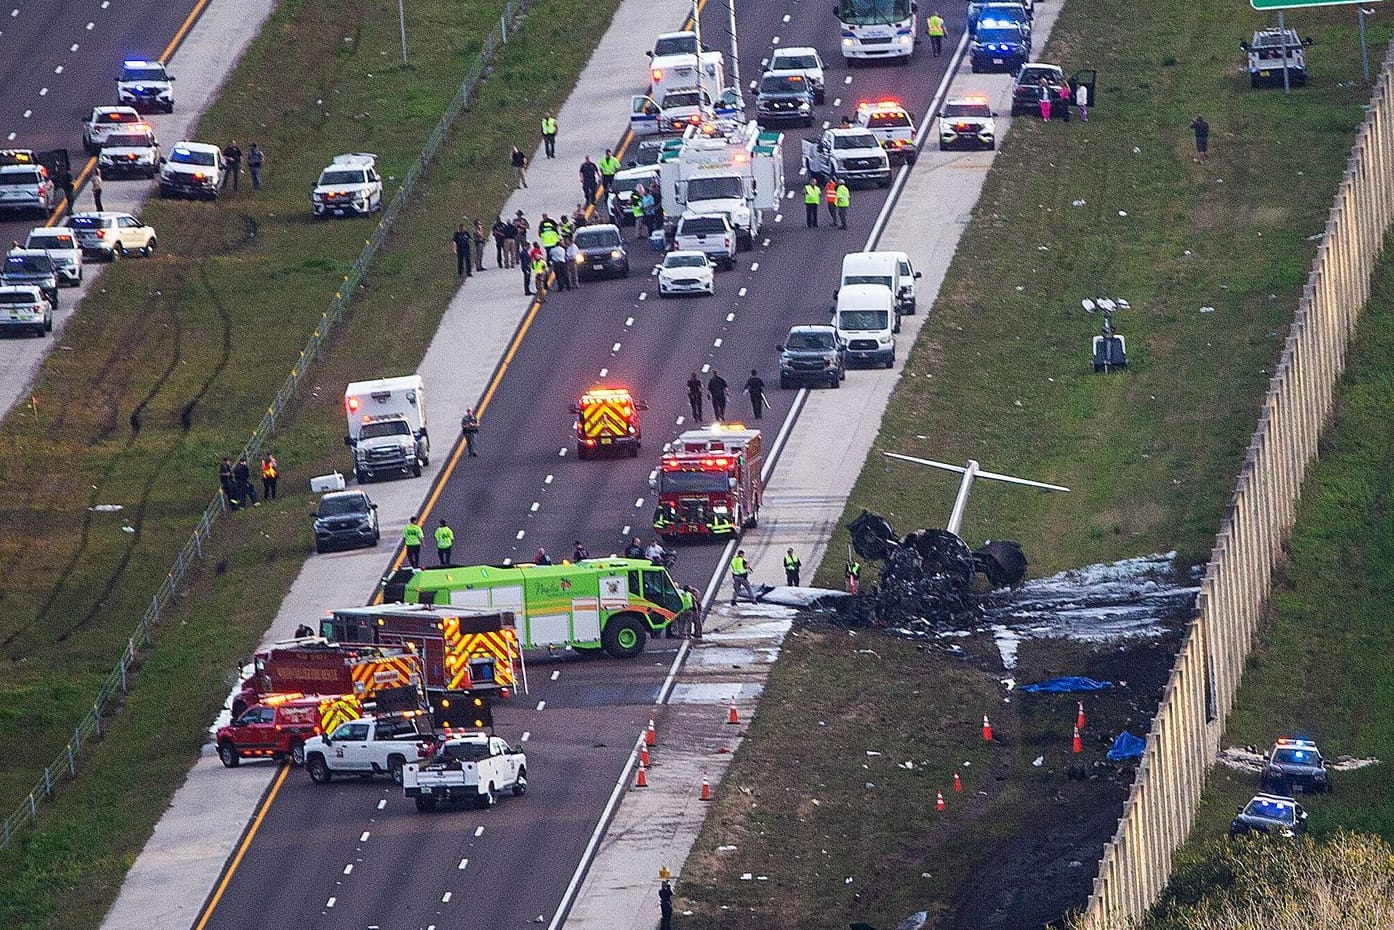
{"type": "Point", "coordinates": [1295, 4]}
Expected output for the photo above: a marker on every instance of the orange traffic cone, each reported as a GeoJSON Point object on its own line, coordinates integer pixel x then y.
{"type": "Point", "coordinates": [1079, 720]}
{"type": "Point", "coordinates": [958, 785]}
{"type": "Point", "coordinates": [731, 715]}
{"type": "Point", "coordinates": [642, 779]}
{"type": "Point", "coordinates": [644, 756]}
{"type": "Point", "coordinates": [1077, 745]}
{"type": "Point", "coordinates": [650, 736]}
{"type": "Point", "coordinates": [987, 729]}
{"type": "Point", "coordinates": [939, 801]}
{"type": "Point", "coordinates": [706, 794]}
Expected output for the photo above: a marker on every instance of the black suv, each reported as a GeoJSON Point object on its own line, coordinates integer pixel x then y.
{"type": "Point", "coordinates": [784, 96]}
{"type": "Point", "coordinates": [602, 252]}
{"type": "Point", "coordinates": [812, 353]}
{"type": "Point", "coordinates": [345, 519]}
{"type": "Point", "coordinates": [1293, 764]}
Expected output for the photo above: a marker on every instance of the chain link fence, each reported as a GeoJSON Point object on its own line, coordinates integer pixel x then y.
{"type": "Point", "coordinates": [65, 764]}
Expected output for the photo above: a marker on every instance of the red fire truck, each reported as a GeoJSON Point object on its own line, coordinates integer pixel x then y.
{"type": "Point", "coordinates": [709, 482]}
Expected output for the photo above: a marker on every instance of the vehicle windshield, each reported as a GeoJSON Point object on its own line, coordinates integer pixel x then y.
{"type": "Point", "coordinates": [999, 35]}
{"type": "Point", "coordinates": [142, 74]}
{"type": "Point", "coordinates": [133, 140]}
{"type": "Point", "coordinates": [692, 482]}
{"type": "Point", "coordinates": [870, 12]}
{"type": "Point", "coordinates": [22, 178]}
{"type": "Point", "coordinates": [888, 119]}
{"type": "Point", "coordinates": [338, 506]}
{"type": "Point", "coordinates": [1271, 810]}
{"type": "Point", "coordinates": [340, 176]}
{"type": "Point", "coordinates": [30, 264]}
{"type": "Point", "coordinates": [1296, 757]}
{"type": "Point", "coordinates": [686, 98]}
{"type": "Point", "coordinates": [50, 240]}
{"type": "Point", "coordinates": [727, 188]}
{"type": "Point", "coordinates": [882, 279]}
{"type": "Point", "coordinates": [863, 320]}
{"type": "Point", "coordinates": [797, 62]}
{"type": "Point", "coordinates": [378, 428]}
{"type": "Point", "coordinates": [980, 110]}
{"type": "Point", "coordinates": [783, 84]}
{"type": "Point", "coordinates": [1033, 75]}
{"type": "Point", "coordinates": [809, 342]}
{"type": "Point", "coordinates": [598, 239]}
{"type": "Point", "coordinates": [855, 140]}
{"type": "Point", "coordinates": [658, 589]}
{"type": "Point", "coordinates": [1275, 40]}
{"type": "Point", "coordinates": [685, 44]}
{"type": "Point", "coordinates": [679, 260]}
{"type": "Point", "coordinates": [86, 222]}
{"type": "Point", "coordinates": [463, 752]}
{"type": "Point", "coordinates": [190, 157]}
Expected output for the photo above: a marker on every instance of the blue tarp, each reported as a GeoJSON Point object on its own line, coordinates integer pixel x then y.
{"type": "Point", "coordinates": [1066, 685]}
{"type": "Point", "coordinates": [1127, 746]}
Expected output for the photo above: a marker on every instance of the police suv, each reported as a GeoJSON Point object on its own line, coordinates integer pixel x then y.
{"type": "Point", "coordinates": [1271, 52]}
{"type": "Point", "coordinates": [145, 85]}
{"type": "Point", "coordinates": [892, 125]}
{"type": "Point", "coordinates": [132, 151]}
{"type": "Point", "coordinates": [349, 185]}
{"type": "Point", "coordinates": [967, 122]}
{"type": "Point", "coordinates": [103, 122]}
{"type": "Point", "coordinates": [193, 169]}
{"type": "Point", "coordinates": [1293, 764]}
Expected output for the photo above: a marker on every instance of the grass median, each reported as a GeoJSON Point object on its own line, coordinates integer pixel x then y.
{"type": "Point", "coordinates": [1321, 668]}
{"type": "Point", "coordinates": [169, 367]}
{"type": "Point", "coordinates": [1211, 258]}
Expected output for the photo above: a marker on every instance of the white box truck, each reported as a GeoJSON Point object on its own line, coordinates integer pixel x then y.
{"type": "Point", "coordinates": [738, 173]}
{"type": "Point", "coordinates": [387, 427]}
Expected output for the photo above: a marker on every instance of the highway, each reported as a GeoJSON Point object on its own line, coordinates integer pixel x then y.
{"type": "Point", "coordinates": [309, 863]}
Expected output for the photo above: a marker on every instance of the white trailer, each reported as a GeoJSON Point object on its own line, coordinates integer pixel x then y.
{"type": "Point", "coordinates": [736, 170]}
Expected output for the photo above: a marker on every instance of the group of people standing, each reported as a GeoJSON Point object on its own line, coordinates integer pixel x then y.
{"type": "Point", "coordinates": [236, 481]}
{"type": "Point", "coordinates": [1057, 100]}
{"type": "Point", "coordinates": [717, 389]}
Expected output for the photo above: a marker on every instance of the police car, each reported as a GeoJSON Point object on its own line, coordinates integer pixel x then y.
{"type": "Point", "coordinates": [1269, 813]}
{"type": "Point", "coordinates": [892, 125]}
{"type": "Point", "coordinates": [105, 121]}
{"type": "Point", "coordinates": [145, 85]}
{"type": "Point", "coordinates": [1293, 764]}
{"type": "Point", "coordinates": [193, 169]}
{"type": "Point", "coordinates": [349, 185]}
{"type": "Point", "coordinates": [967, 122]}
{"type": "Point", "coordinates": [1274, 51]}
{"type": "Point", "coordinates": [130, 152]}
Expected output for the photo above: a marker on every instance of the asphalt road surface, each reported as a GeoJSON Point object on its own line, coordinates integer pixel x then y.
{"type": "Point", "coordinates": [60, 59]}
{"type": "Point", "coordinates": [527, 489]}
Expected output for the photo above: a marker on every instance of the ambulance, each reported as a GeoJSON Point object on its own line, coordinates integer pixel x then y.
{"type": "Point", "coordinates": [736, 170]}
{"type": "Point", "coordinates": [387, 427]}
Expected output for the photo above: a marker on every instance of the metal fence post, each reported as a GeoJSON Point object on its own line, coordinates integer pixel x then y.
{"type": "Point", "coordinates": [96, 721]}
{"type": "Point", "coordinates": [72, 762]}
{"type": "Point", "coordinates": [48, 783]}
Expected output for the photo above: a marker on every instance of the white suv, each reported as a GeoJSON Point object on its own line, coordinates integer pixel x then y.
{"type": "Point", "coordinates": [62, 247]}
{"type": "Point", "coordinates": [112, 235]}
{"type": "Point", "coordinates": [710, 233]}
{"type": "Point", "coordinates": [804, 60]}
{"type": "Point", "coordinates": [131, 152]}
{"type": "Point", "coordinates": [145, 85]}
{"type": "Point", "coordinates": [193, 169]}
{"type": "Point", "coordinates": [103, 122]}
{"type": "Point", "coordinates": [349, 185]}
{"type": "Point", "coordinates": [24, 306]}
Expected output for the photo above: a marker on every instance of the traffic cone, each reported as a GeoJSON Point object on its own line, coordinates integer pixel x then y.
{"type": "Point", "coordinates": [650, 736]}
{"type": "Point", "coordinates": [958, 785]}
{"type": "Point", "coordinates": [987, 729]}
{"type": "Point", "coordinates": [731, 715]}
{"type": "Point", "coordinates": [1079, 720]}
{"type": "Point", "coordinates": [644, 756]}
{"type": "Point", "coordinates": [706, 794]}
{"type": "Point", "coordinates": [1077, 745]}
{"type": "Point", "coordinates": [642, 779]}
{"type": "Point", "coordinates": [939, 801]}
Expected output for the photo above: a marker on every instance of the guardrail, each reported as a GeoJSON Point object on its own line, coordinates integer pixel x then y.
{"type": "Point", "coordinates": [64, 766]}
{"type": "Point", "coordinates": [1185, 735]}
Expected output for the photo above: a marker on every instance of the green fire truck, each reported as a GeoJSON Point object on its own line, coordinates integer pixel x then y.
{"type": "Point", "coordinates": [610, 604]}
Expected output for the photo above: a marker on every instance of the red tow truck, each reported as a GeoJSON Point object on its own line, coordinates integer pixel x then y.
{"type": "Point", "coordinates": [709, 483]}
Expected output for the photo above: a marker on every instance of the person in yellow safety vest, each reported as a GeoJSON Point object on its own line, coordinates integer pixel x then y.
{"type": "Point", "coordinates": [854, 574]}
{"type": "Point", "coordinates": [270, 471]}
{"type": "Point", "coordinates": [740, 578]}
{"type": "Point", "coordinates": [636, 207]}
{"type": "Point", "coordinates": [412, 537]}
{"type": "Point", "coordinates": [934, 26]}
{"type": "Point", "coordinates": [791, 568]}
{"type": "Point", "coordinates": [539, 275]}
{"type": "Point", "coordinates": [810, 204]}
{"type": "Point", "coordinates": [549, 134]}
{"type": "Point", "coordinates": [445, 540]}
{"type": "Point", "coordinates": [547, 232]}
{"type": "Point", "coordinates": [843, 200]}
{"type": "Point", "coordinates": [830, 195]}
{"type": "Point", "coordinates": [609, 167]}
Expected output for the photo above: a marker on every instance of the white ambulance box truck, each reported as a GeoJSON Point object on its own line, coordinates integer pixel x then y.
{"type": "Point", "coordinates": [387, 427]}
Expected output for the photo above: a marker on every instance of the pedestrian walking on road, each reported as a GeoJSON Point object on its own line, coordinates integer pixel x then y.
{"type": "Point", "coordinates": [229, 486]}
{"type": "Point", "coordinates": [503, 234]}
{"type": "Point", "coordinates": [792, 564]}
{"type": "Point", "coordinates": [843, 200]}
{"type": "Point", "coordinates": [445, 541]}
{"type": "Point", "coordinates": [579, 553]}
{"type": "Point", "coordinates": [520, 167]}
{"type": "Point", "coordinates": [479, 239]}
{"type": "Point", "coordinates": [1202, 131]}
{"type": "Point", "coordinates": [469, 428]}
{"type": "Point", "coordinates": [609, 167]}
{"type": "Point", "coordinates": [461, 242]}
{"type": "Point", "coordinates": [412, 537]}
{"type": "Point", "coordinates": [232, 164]}
{"type": "Point", "coordinates": [755, 388]}
{"type": "Point", "coordinates": [740, 578]}
{"type": "Point", "coordinates": [270, 473]}
{"type": "Point", "coordinates": [97, 188]}
{"type": "Point", "coordinates": [635, 549]}
{"type": "Point", "coordinates": [549, 134]}
{"type": "Point", "coordinates": [694, 397]}
{"type": "Point", "coordinates": [590, 179]}
{"type": "Point", "coordinates": [716, 389]}
{"type": "Point", "coordinates": [934, 28]}
{"type": "Point", "coordinates": [1082, 101]}
{"type": "Point", "coordinates": [665, 906]}
{"type": "Point", "coordinates": [830, 195]}
{"type": "Point", "coordinates": [810, 203]}
{"type": "Point", "coordinates": [256, 159]}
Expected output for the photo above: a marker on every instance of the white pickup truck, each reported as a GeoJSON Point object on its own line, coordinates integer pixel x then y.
{"type": "Point", "coordinates": [850, 154]}
{"type": "Point", "coordinates": [369, 746]}
{"type": "Point", "coordinates": [475, 767]}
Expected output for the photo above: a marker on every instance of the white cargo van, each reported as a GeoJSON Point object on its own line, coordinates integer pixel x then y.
{"type": "Point", "coordinates": [888, 269]}
{"type": "Point", "coordinates": [387, 427]}
{"type": "Point", "coordinates": [865, 321]}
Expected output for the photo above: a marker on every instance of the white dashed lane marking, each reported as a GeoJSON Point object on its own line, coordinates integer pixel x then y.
{"type": "Point", "coordinates": [755, 266]}
{"type": "Point", "coordinates": [527, 735]}
{"type": "Point", "coordinates": [478, 831]}
{"type": "Point", "coordinates": [629, 322]}
{"type": "Point", "coordinates": [364, 837]}
{"type": "Point", "coordinates": [615, 347]}
{"type": "Point", "coordinates": [740, 293]}
{"type": "Point", "coordinates": [639, 502]}
{"type": "Point", "coordinates": [547, 480]}
{"type": "Point", "coordinates": [556, 674]}
{"type": "Point", "coordinates": [785, 19]}
{"type": "Point", "coordinates": [43, 91]}
{"type": "Point", "coordinates": [706, 368]}
{"type": "Point", "coordinates": [541, 705]}
{"type": "Point", "coordinates": [521, 534]}
{"type": "Point", "coordinates": [445, 898]}
{"type": "Point", "coordinates": [91, 26]}
{"type": "Point", "coordinates": [74, 47]}
{"type": "Point", "coordinates": [348, 869]}
{"type": "Point", "coordinates": [330, 902]}
{"type": "Point", "coordinates": [604, 372]}
{"type": "Point", "coordinates": [837, 101]}
{"type": "Point", "coordinates": [536, 505]}
{"type": "Point", "coordinates": [847, 80]}
{"type": "Point", "coordinates": [716, 344]}
{"type": "Point", "coordinates": [463, 863]}
{"type": "Point", "coordinates": [58, 70]}
{"type": "Point", "coordinates": [27, 112]}
{"type": "Point", "coordinates": [729, 318]}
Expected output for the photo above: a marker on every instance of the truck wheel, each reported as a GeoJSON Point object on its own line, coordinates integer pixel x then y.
{"type": "Point", "coordinates": [520, 787]}
{"type": "Point", "coordinates": [425, 805]}
{"type": "Point", "coordinates": [394, 768]}
{"type": "Point", "coordinates": [319, 770]}
{"type": "Point", "coordinates": [227, 754]}
{"type": "Point", "coordinates": [416, 469]}
{"type": "Point", "coordinates": [488, 799]}
{"type": "Point", "coordinates": [623, 637]}
{"type": "Point", "coordinates": [297, 754]}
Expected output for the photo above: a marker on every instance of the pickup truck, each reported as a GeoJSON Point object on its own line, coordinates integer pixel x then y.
{"type": "Point", "coordinates": [369, 746]}
{"type": "Point", "coordinates": [475, 767]}
{"type": "Point", "coordinates": [850, 154]}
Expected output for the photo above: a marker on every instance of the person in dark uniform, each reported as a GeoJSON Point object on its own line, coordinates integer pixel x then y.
{"type": "Point", "coordinates": [232, 158]}
{"type": "Point", "coordinates": [469, 426]}
{"type": "Point", "coordinates": [694, 396]}
{"type": "Point", "coordinates": [63, 178]}
{"type": "Point", "coordinates": [635, 549]}
{"type": "Point", "coordinates": [461, 242]}
{"type": "Point", "coordinates": [590, 179]}
{"type": "Point", "coordinates": [665, 905]}
{"type": "Point", "coordinates": [229, 485]}
{"type": "Point", "coordinates": [716, 387]}
{"type": "Point", "coordinates": [242, 477]}
{"type": "Point", "coordinates": [756, 389]}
